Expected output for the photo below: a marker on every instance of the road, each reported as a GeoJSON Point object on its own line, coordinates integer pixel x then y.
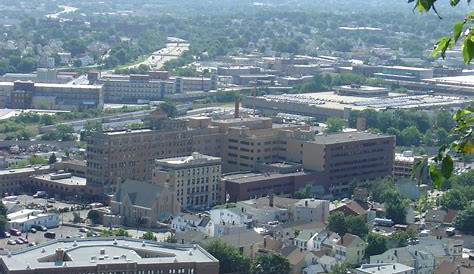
{"type": "Point", "coordinates": [157, 59]}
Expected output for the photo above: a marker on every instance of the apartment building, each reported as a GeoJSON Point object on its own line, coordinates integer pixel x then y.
{"type": "Point", "coordinates": [195, 178]}
{"type": "Point", "coordinates": [14, 180]}
{"type": "Point", "coordinates": [109, 256]}
{"type": "Point", "coordinates": [404, 164]}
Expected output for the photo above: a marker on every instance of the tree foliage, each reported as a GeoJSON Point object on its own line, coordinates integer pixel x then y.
{"type": "Point", "coordinates": [230, 260]}
{"type": "Point", "coordinates": [464, 220]}
{"type": "Point", "coordinates": [270, 264]}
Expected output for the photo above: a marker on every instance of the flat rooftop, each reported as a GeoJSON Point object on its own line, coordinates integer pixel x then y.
{"type": "Point", "coordinates": [345, 137]}
{"type": "Point", "coordinates": [71, 181]}
{"type": "Point", "coordinates": [195, 158]}
{"type": "Point", "coordinates": [464, 80]}
{"type": "Point", "coordinates": [101, 251]}
{"type": "Point", "coordinates": [242, 178]}
{"type": "Point", "coordinates": [23, 170]}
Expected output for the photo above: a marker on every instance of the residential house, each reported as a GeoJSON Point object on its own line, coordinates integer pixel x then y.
{"type": "Point", "coordinates": [435, 217]}
{"type": "Point", "coordinates": [350, 248]}
{"type": "Point", "coordinates": [248, 242]}
{"type": "Point", "coordinates": [304, 239]}
{"type": "Point", "coordinates": [310, 210]}
{"type": "Point", "coordinates": [224, 221]}
{"type": "Point", "coordinates": [268, 209]}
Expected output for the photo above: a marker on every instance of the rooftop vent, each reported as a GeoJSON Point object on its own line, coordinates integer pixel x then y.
{"type": "Point", "coordinates": [115, 241]}
{"type": "Point", "coordinates": [102, 251]}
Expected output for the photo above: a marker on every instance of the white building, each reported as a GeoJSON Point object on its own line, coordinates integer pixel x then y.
{"type": "Point", "coordinates": [393, 268]}
{"type": "Point", "coordinates": [23, 220]}
{"type": "Point", "coordinates": [226, 221]}
{"type": "Point", "coordinates": [310, 210]}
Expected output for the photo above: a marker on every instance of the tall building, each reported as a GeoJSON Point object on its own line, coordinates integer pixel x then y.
{"type": "Point", "coordinates": [131, 154]}
{"type": "Point", "coordinates": [108, 256]}
{"type": "Point", "coordinates": [243, 144]}
{"type": "Point", "coordinates": [196, 179]}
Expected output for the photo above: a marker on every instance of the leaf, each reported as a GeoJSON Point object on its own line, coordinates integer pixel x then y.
{"type": "Point", "coordinates": [454, 2]}
{"type": "Point", "coordinates": [447, 167]}
{"type": "Point", "coordinates": [458, 30]}
{"type": "Point", "coordinates": [424, 5]}
{"type": "Point", "coordinates": [441, 47]}
{"type": "Point", "coordinates": [436, 177]}
{"type": "Point", "coordinates": [468, 147]}
{"type": "Point", "coordinates": [468, 49]}
{"type": "Point", "coordinates": [470, 15]}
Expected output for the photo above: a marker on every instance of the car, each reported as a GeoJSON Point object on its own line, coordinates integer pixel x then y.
{"type": "Point", "coordinates": [50, 235]}
{"type": "Point", "coordinates": [5, 235]}
{"type": "Point", "coordinates": [33, 230]}
{"type": "Point", "coordinates": [51, 200]}
{"type": "Point", "coordinates": [11, 242]}
{"type": "Point", "coordinates": [15, 232]}
{"type": "Point", "coordinates": [18, 241]}
{"type": "Point", "coordinates": [40, 227]}
{"type": "Point", "coordinates": [32, 244]}
{"type": "Point", "coordinates": [24, 240]}
{"type": "Point", "coordinates": [83, 230]}
{"type": "Point", "coordinates": [68, 237]}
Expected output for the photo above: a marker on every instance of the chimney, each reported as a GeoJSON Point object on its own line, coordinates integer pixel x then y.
{"type": "Point", "coordinates": [270, 200]}
{"type": "Point", "coordinates": [306, 203]}
{"type": "Point", "coordinates": [237, 107]}
{"type": "Point", "coordinates": [59, 255]}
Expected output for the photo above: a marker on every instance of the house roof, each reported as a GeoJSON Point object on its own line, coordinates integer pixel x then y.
{"type": "Point", "coordinates": [353, 208]}
{"type": "Point", "coordinates": [239, 239]}
{"type": "Point", "coordinates": [348, 240]}
{"type": "Point", "coordinates": [306, 234]}
{"type": "Point", "coordinates": [143, 194]}
{"type": "Point", "coordinates": [440, 216]}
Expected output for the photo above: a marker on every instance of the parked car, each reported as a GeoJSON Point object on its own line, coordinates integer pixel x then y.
{"type": "Point", "coordinates": [33, 230]}
{"type": "Point", "coordinates": [50, 235]}
{"type": "Point", "coordinates": [18, 241]}
{"type": "Point", "coordinates": [51, 200]}
{"type": "Point", "coordinates": [15, 232]}
{"type": "Point", "coordinates": [32, 244]}
{"type": "Point", "coordinates": [39, 194]}
{"type": "Point", "coordinates": [40, 227]}
{"type": "Point", "coordinates": [5, 235]}
{"type": "Point", "coordinates": [11, 242]}
{"type": "Point", "coordinates": [83, 230]}
{"type": "Point", "coordinates": [24, 240]}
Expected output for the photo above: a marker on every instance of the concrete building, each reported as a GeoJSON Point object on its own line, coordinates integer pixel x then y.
{"type": "Point", "coordinates": [15, 180]}
{"type": "Point", "coordinates": [404, 164]}
{"type": "Point", "coordinates": [144, 202]}
{"type": "Point", "coordinates": [310, 210]}
{"type": "Point", "coordinates": [404, 73]}
{"type": "Point", "coordinates": [196, 179]}
{"type": "Point", "coordinates": [268, 209]}
{"type": "Point", "coordinates": [108, 256]}
{"type": "Point", "coordinates": [64, 184]}
{"type": "Point", "coordinates": [237, 70]}
{"type": "Point", "coordinates": [26, 94]}
{"type": "Point", "coordinates": [358, 90]}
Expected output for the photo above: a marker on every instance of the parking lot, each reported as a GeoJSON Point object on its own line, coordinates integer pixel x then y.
{"type": "Point", "coordinates": [38, 237]}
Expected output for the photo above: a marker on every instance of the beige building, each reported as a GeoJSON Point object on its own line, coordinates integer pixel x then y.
{"type": "Point", "coordinates": [144, 203]}
{"type": "Point", "coordinates": [14, 180]}
{"type": "Point", "coordinates": [196, 179]}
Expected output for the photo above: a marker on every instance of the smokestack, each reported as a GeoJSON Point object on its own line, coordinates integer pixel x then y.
{"type": "Point", "coordinates": [237, 107]}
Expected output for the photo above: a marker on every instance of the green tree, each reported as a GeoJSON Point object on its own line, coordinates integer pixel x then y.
{"type": "Point", "coordinates": [337, 223]}
{"type": "Point", "coordinates": [3, 223]}
{"type": "Point", "coordinates": [304, 193]}
{"type": "Point", "coordinates": [356, 225]}
{"type": "Point", "coordinates": [445, 120]}
{"type": "Point", "coordinates": [334, 124]}
{"type": "Point", "coordinates": [464, 221]}
{"type": "Point", "coordinates": [339, 269]}
{"type": "Point", "coordinates": [376, 244]}
{"type": "Point", "coordinates": [378, 188]}
{"type": "Point", "coordinates": [64, 132]}
{"type": "Point", "coordinates": [94, 216]}
{"type": "Point", "coordinates": [171, 239]}
{"type": "Point", "coordinates": [169, 109]}
{"type": "Point", "coordinates": [271, 264]}
{"type": "Point", "coordinates": [52, 159]}
{"type": "Point", "coordinates": [395, 206]}
{"type": "Point", "coordinates": [454, 199]}
{"type": "Point", "coordinates": [410, 136]}
{"type": "Point", "coordinates": [230, 260]}
{"type": "Point", "coordinates": [149, 236]}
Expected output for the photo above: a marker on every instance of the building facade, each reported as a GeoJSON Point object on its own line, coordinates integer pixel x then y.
{"type": "Point", "coordinates": [196, 179]}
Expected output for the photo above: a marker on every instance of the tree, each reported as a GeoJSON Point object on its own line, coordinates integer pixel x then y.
{"type": "Point", "coordinates": [395, 206]}
{"type": "Point", "coordinates": [271, 264]}
{"type": "Point", "coordinates": [337, 223]}
{"type": "Point", "coordinates": [230, 260]}
{"type": "Point", "coordinates": [3, 223]}
{"type": "Point", "coordinates": [401, 238]}
{"type": "Point", "coordinates": [149, 236]}
{"type": "Point", "coordinates": [378, 188]}
{"type": "Point", "coordinates": [76, 217]}
{"type": "Point", "coordinates": [94, 216]}
{"type": "Point", "coordinates": [169, 109]}
{"type": "Point", "coordinates": [339, 269]}
{"type": "Point", "coordinates": [356, 225]}
{"type": "Point", "coordinates": [410, 136]}
{"type": "Point", "coordinates": [376, 244]}
{"type": "Point", "coordinates": [304, 193]}
{"type": "Point", "coordinates": [464, 221]}
{"type": "Point", "coordinates": [445, 120]}
{"type": "Point", "coordinates": [171, 239]}
{"type": "Point", "coordinates": [52, 159]}
{"type": "Point", "coordinates": [334, 124]}
{"type": "Point", "coordinates": [454, 199]}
